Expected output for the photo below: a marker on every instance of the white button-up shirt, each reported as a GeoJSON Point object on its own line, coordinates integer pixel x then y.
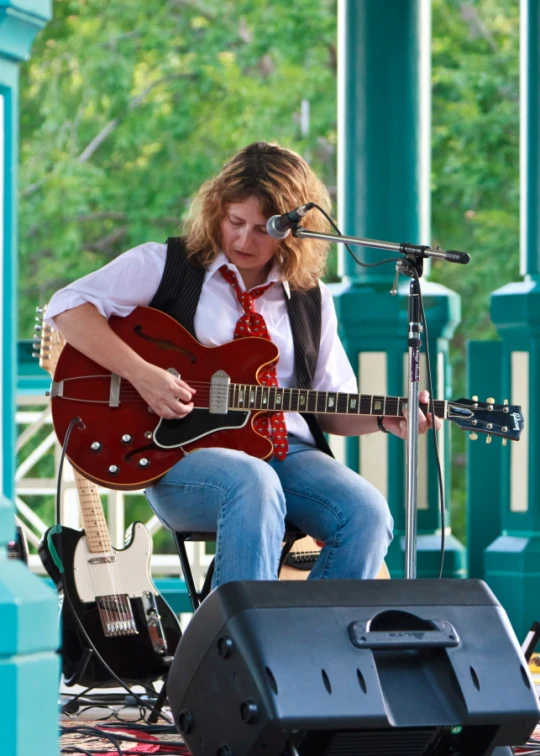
{"type": "Point", "coordinates": [132, 279]}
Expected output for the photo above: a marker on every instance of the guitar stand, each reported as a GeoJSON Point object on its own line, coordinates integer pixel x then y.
{"type": "Point", "coordinates": [529, 644]}
{"type": "Point", "coordinates": [162, 695]}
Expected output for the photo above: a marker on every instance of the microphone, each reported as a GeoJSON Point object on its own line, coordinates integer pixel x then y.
{"type": "Point", "coordinates": [279, 226]}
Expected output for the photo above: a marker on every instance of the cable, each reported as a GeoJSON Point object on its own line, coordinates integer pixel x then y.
{"type": "Point", "coordinates": [428, 370]}
{"type": "Point", "coordinates": [434, 434]}
{"type": "Point", "coordinates": [93, 732]}
{"type": "Point", "coordinates": [117, 737]}
{"type": "Point", "coordinates": [57, 530]}
{"type": "Point", "coordinates": [357, 261]}
{"type": "Point", "coordinates": [100, 700]}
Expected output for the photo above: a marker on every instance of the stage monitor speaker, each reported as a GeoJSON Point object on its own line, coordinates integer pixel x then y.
{"type": "Point", "coordinates": [351, 668]}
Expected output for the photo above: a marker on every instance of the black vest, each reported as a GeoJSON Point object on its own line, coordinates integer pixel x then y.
{"type": "Point", "coordinates": [178, 296]}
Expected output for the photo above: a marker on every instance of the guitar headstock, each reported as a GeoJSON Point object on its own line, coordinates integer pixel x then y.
{"type": "Point", "coordinates": [502, 420]}
{"type": "Point", "coordinates": [48, 342]}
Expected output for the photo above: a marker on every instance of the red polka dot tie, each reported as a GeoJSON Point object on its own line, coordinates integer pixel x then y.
{"type": "Point", "coordinates": [251, 323]}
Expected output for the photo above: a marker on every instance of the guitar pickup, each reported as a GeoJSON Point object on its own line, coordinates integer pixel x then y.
{"type": "Point", "coordinates": [219, 393]}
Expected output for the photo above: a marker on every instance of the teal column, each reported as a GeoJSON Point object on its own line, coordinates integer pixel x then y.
{"type": "Point", "coordinates": [486, 470]}
{"type": "Point", "coordinates": [512, 561]}
{"type": "Point", "coordinates": [384, 193]}
{"type": "Point", "coordinates": [29, 669]}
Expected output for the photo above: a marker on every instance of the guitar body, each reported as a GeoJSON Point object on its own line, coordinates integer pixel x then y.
{"type": "Point", "coordinates": [120, 443]}
{"type": "Point", "coordinates": [132, 657]}
{"type": "Point", "coordinates": [159, 339]}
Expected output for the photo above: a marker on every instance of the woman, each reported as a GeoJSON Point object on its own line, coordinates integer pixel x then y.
{"type": "Point", "coordinates": [226, 278]}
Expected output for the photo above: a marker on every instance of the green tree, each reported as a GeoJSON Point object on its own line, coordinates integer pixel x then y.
{"type": "Point", "coordinates": [128, 106]}
{"type": "Point", "coordinates": [475, 168]}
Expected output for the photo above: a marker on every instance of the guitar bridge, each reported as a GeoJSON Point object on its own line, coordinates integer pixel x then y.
{"type": "Point", "coordinates": [116, 615]}
{"type": "Point", "coordinates": [219, 393]}
{"type": "Point", "coordinates": [153, 621]}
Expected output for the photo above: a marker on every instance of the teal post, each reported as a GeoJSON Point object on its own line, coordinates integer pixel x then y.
{"type": "Point", "coordinates": [487, 479]}
{"type": "Point", "coordinates": [512, 561]}
{"type": "Point", "coordinates": [384, 193]}
{"type": "Point", "coordinates": [29, 669]}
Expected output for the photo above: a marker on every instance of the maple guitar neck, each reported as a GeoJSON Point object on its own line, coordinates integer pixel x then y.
{"type": "Point", "coordinates": [95, 525]}
{"type": "Point", "coordinates": [273, 398]}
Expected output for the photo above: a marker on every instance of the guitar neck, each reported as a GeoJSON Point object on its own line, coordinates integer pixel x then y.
{"type": "Point", "coordinates": [95, 525]}
{"type": "Point", "coordinates": [273, 398]}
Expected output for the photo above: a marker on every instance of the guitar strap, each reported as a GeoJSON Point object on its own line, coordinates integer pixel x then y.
{"type": "Point", "coordinates": [178, 295]}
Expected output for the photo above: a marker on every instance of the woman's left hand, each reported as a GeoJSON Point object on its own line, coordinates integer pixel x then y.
{"type": "Point", "coordinates": [398, 425]}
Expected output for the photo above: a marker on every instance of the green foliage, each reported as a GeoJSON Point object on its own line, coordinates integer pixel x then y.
{"type": "Point", "coordinates": [475, 168]}
{"type": "Point", "coordinates": [128, 107]}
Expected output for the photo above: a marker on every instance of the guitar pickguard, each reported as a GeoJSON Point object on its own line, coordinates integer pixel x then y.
{"type": "Point", "coordinates": [171, 434]}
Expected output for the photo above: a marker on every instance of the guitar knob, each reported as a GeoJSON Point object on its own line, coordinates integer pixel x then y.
{"type": "Point", "coordinates": [95, 446]}
{"type": "Point", "coordinates": [126, 439]}
{"type": "Point", "coordinates": [114, 469]}
{"type": "Point", "coordinates": [143, 462]}
{"type": "Point", "coordinates": [488, 439]}
{"type": "Point", "coordinates": [473, 436]}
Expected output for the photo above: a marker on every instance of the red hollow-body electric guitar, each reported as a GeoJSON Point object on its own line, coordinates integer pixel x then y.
{"type": "Point", "coordinates": [120, 443]}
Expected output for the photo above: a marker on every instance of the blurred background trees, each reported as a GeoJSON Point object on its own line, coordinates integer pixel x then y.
{"type": "Point", "coordinates": [129, 105]}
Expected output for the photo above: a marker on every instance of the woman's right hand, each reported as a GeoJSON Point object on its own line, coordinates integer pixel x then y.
{"type": "Point", "coordinates": [168, 396]}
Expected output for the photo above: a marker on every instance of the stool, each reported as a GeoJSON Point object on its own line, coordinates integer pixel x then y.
{"type": "Point", "coordinates": [292, 534]}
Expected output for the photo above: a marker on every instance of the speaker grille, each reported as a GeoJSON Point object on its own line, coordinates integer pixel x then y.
{"type": "Point", "coordinates": [403, 742]}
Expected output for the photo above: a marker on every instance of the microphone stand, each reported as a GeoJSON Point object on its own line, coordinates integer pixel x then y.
{"type": "Point", "coordinates": [411, 265]}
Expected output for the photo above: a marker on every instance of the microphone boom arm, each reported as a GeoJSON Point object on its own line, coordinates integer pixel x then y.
{"type": "Point", "coordinates": [417, 250]}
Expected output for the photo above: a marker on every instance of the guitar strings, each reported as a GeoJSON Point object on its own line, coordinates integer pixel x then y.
{"type": "Point", "coordinates": [129, 392]}
{"type": "Point", "coordinates": [113, 607]}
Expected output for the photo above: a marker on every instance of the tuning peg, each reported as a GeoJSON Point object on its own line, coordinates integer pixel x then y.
{"type": "Point", "coordinates": [504, 441]}
{"type": "Point", "coordinates": [475, 398]}
{"type": "Point", "coordinates": [488, 439]}
{"type": "Point", "coordinates": [38, 328]}
{"type": "Point", "coordinates": [39, 309]}
{"type": "Point", "coordinates": [505, 401]}
{"type": "Point", "coordinates": [490, 400]}
{"type": "Point", "coordinates": [36, 355]}
{"type": "Point", "coordinates": [473, 436]}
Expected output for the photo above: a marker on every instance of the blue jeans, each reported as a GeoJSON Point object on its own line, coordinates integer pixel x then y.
{"type": "Point", "coordinates": [245, 501]}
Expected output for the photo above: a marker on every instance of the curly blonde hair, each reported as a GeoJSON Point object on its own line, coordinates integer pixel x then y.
{"type": "Point", "coordinates": [281, 180]}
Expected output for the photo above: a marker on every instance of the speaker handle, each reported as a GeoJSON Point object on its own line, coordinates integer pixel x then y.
{"type": "Point", "coordinates": [441, 635]}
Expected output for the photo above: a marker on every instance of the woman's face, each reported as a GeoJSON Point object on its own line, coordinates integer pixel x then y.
{"type": "Point", "coordinates": [245, 241]}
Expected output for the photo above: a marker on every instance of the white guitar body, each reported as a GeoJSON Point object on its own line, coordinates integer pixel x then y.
{"type": "Point", "coordinates": [118, 571]}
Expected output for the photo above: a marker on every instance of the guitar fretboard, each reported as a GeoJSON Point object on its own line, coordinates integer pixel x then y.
{"type": "Point", "coordinates": [273, 398]}
{"type": "Point", "coordinates": [95, 525]}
